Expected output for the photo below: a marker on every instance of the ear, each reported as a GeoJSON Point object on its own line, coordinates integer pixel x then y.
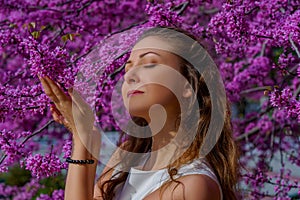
{"type": "Point", "coordinates": [187, 90]}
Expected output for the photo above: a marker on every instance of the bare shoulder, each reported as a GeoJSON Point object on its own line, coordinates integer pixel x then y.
{"type": "Point", "coordinates": [197, 186]}
{"type": "Point", "coordinates": [189, 187]}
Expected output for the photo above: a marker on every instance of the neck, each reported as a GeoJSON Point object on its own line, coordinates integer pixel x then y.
{"type": "Point", "coordinates": [162, 149]}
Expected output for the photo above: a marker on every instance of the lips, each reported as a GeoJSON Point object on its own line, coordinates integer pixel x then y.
{"type": "Point", "coordinates": [134, 92]}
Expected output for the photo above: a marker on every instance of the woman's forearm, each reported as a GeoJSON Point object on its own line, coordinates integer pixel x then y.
{"type": "Point", "coordinates": [80, 177]}
{"type": "Point", "coordinates": [77, 116]}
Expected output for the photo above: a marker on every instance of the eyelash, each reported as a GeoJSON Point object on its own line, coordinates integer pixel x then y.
{"type": "Point", "coordinates": [147, 66]}
{"type": "Point", "coordinates": [150, 65]}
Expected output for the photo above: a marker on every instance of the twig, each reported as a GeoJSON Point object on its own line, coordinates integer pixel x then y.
{"type": "Point", "coordinates": [112, 75]}
{"type": "Point", "coordinates": [247, 134]}
{"type": "Point", "coordinates": [264, 36]}
{"type": "Point", "coordinates": [58, 34]}
{"type": "Point", "coordinates": [16, 109]}
{"type": "Point", "coordinates": [83, 7]}
{"type": "Point", "coordinates": [38, 131]}
{"type": "Point", "coordinates": [79, 57]}
{"type": "Point", "coordinates": [272, 145]}
{"type": "Point", "coordinates": [290, 73]}
{"type": "Point", "coordinates": [296, 92]}
{"type": "Point", "coordinates": [30, 136]}
{"type": "Point", "coordinates": [4, 22]}
{"type": "Point", "coordinates": [125, 29]}
{"type": "Point", "coordinates": [211, 11]}
{"type": "Point", "coordinates": [182, 7]}
{"type": "Point", "coordinates": [255, 89]}
{"type": "Point", "coordinates": [263, 48]}
{"type": "Point", "coordinates": [22, 95]}
{"type": "Point", "coordinates": [251, 10]}
{"type": "Point", "coordinates": [272, 183]}
{"type": "Point", "coordinates": [64, 3]}
{"type": "Point", "coordinates": [294, 45]}
{"type": "Point", "coordinates": [12, 77]}
{"type": "Point", "coordinates": [45, 8]}
{"type": "Point", "coordinates": [2, 158]}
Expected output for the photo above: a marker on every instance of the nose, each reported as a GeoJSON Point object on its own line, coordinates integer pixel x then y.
{"type": "Point", "coordinates": [131, 76]}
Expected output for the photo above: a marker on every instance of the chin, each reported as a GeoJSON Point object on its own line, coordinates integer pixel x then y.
{"type": "Point", "coordinates": [138, 111]}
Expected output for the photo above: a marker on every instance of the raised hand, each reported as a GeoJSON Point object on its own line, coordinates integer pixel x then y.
{"type": "Point", "coordinates": [76, 115]}
{"type": "Point", "coordinates": [70, 110]}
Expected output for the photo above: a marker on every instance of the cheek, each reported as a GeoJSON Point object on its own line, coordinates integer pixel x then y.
{"type": "Point", "coordinates": [124, 90]}
{"type": "Point", "coordinates": [166, 86]}
{"type": "Point", "coordinates": [161, 95]}
{"type": "Point", "coordinates": [164, 76]}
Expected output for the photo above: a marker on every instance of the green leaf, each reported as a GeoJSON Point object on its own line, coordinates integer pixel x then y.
{"type": "Point", "coordinates": [42, 28]}
{"type": "Point", "coordinates": [69, 36]}
{"type": "Point", "coordinates": [36, 34]}
{"type": "Point", "coordinates": [276, 53]}
{"type": "Point", "coordinates": [13, 25]}
{"type": "Point", "coordinates": [32, 24]}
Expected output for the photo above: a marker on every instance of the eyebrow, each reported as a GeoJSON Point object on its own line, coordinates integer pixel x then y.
{"type": "Point", "coordinates": [144, 54]}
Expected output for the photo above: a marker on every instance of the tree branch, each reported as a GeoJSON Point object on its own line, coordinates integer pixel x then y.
{"type": "Point", "coordinates": [294, 45]}
{"type": "Point", "coordinates": [263, 48]}
{"type": "Point", "coordinates": [255, 89]}
{"type": "Point", "coordinates": [38, 131]}
{"type": "Point", "coordinates": [251, 10]}
{"type": "Point", "coordinates": [247, 134]}
{"type": "Point", "coordinates": [181, 7]}
{"type": "Point", "coordinates": [30, 136]}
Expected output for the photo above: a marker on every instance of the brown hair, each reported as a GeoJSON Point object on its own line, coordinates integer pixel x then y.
{"type": "Point", "coordinates": [223, 158]}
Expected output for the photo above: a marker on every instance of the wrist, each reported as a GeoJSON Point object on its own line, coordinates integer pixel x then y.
{"type": "Point", "coordinates": [87, 145]}
{"type": "Point", "coordinates": [81, 161]}
{"type": "Point", "coordinates": [79, 151]}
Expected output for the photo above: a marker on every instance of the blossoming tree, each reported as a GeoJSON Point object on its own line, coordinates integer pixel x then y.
{"type": "Point", "coordinates": [254, 43]}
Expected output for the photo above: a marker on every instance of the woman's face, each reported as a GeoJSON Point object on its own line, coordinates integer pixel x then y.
{"type": "Point", "coordinates": [151, 78]}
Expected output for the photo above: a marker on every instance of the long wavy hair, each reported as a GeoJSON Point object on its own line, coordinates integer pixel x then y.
{"type": "Point", "coordinates": [223, 157]}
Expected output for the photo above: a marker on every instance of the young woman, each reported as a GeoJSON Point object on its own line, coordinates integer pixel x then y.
{"type": "Point", "coordinates": [176, 102]}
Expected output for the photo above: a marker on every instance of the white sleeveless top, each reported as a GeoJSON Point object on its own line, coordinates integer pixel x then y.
{"type": "Point", "coordinates": [141, 183]}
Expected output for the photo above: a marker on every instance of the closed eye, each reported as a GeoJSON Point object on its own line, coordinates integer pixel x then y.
{"type": "Point", "coordinates": [149, 65]}
{"type": "Point", "coordinates": [145, 66]}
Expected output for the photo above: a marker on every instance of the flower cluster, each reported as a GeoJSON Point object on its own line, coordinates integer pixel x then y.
{"type": "Point", "coordinates": [162, 15]}
{"type": "Point", "coordinates": [20, 193]}
{"type": "Point", "coordinates": [56, 195]}
{"type": "Point", "coordinates": [286, 101]}
{"type": "Point", "coordinates": [43, 165]}
{"type": "Point", "coordinates": [12, 147]}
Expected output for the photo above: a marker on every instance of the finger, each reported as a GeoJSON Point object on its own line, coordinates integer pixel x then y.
{"type": "Point", "coordinates": [47, 89]}
{"type": "Point", "coordinates": [57, 91]}
{"type": "Point", "coordinates": [56, 116]}
{"type": "Point", "coordinates": [54, 109]}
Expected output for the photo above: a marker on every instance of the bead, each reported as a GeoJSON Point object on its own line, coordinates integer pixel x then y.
{"type": "Point", "coordinates": [69, 160]}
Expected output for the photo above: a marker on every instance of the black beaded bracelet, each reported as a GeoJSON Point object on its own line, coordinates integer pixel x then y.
{"type": "Point", "coordinates": [70, 160]}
